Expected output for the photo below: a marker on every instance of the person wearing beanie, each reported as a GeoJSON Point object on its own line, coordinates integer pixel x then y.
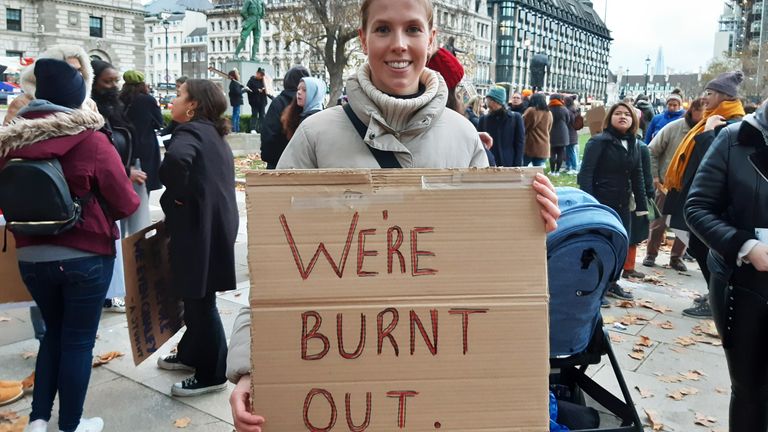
{"type": "Point", "coordinates": [68, 274]}
{"type": "Point", "coordinates": [646, 113]}
{"type": "Point", "coordinates": [673, 112]}
{"type": "Point", "coordinates": [273, 138]}
{"type": "Point", "coordinates": [721, 108]}
{"type": "Point", "coordinates": [726, 208]}
{"type": "Point", "coordinates": [505, 127]}
{"type": "Point", "coordinates": [559, 137]}
{"type": "Point", "coordinates": [72, 54]}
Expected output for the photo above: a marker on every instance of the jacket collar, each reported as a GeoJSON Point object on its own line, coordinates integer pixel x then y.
{"type": "Point", "coordinates": [41, 122]}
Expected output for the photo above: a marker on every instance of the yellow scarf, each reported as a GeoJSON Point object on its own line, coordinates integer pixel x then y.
{"type": "Point", "coordinates": [673, 179]}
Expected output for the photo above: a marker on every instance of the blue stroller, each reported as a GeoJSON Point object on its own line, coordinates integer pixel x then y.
{"type": "Point", "coordinates": [584, 254]}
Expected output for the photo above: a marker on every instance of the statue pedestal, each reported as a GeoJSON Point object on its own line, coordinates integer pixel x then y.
{"type": "Point", "coordinates": [247, 69]}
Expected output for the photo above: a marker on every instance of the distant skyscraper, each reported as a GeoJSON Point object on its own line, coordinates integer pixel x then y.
{"type": "Point", "coordinates": [661, 68]}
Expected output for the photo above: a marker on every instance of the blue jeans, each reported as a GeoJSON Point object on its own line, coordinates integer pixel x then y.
{"type": "Point", "coordinates": [537, 162]}
{"type": "Point", "coordinates": [236, 118]}
{"type": "Point", "coordinates": [571, 157]}
{"type": "Point", "coordinates": [70, 295]}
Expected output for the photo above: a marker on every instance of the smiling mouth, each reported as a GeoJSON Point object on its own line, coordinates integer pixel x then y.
{"type": "Point", "coordinates": [402, 64]}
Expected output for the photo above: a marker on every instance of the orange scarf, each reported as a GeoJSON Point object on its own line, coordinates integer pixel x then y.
{"type": "Point", "coordinates": [555, 103]}
{"type": "Point", "coordinates": [673, 179]}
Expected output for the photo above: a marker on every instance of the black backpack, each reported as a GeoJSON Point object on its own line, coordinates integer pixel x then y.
{"type": "Point", "coordinates": [35, 198]}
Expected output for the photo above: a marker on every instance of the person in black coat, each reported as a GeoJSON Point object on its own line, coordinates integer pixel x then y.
{"type": "Point", "coordinates": [257, 98]}
{"type": "Point", "coordinates": [145, 117]}
{"type": "Point", "coordinates": [559, 137]}
{"type": "Point", "coordinates": [273, 139]}
{"type": "Point", "coordinates": [235, 98]}
{"type": "Point", "coordinates": [202, 222]}
{"type": "Point", "coordinates": [505, 127]}
{"type": "Point", "coordinates": [611, 170]}
{"type": "Point", "coordinates": [726, 209]}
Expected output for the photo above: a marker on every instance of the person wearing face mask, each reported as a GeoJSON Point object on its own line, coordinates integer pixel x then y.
{"type": "Point", "coordinates": [611, 171]}
{"type": "Point", "coordinates": [726, 209]}
{"type": "Point", "coordinates": [673, 112]}
{"type": "Point", "coordinates": [309, 100]}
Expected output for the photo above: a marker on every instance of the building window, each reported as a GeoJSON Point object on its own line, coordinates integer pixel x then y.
{"type": "Point", "coordinates": [97, 27]}
{"type": "Point", "coordinates": [184, 57]}
{"type": "Point", "coordinates": [175, 57]}
{"type": "Point", "coordinates": [213, 26]}
{"type": "Point", "coordinates": [229, 25]}
{"type": "Point", "coordinates": [213, 46]}
{"type": "Point", "coordinates": [174, 40]}
{"type": "Point", "coordinates": [13, 19]}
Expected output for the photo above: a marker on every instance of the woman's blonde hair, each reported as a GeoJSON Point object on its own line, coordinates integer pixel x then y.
{"type": "Point", "coordinates": [366, 4]}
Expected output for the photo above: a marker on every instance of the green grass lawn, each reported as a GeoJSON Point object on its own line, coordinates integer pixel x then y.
{"type": "Point", "coordinates": [569, 179]}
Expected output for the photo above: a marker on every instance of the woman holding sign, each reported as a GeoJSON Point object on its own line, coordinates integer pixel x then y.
{"type": "Point", "coordinates": [400, 107]}
{"type": "Point", "coordinates": [202, 220]}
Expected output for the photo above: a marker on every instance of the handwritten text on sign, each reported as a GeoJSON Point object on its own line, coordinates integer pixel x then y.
{"type": "Point", "coordinates": [316, 339]}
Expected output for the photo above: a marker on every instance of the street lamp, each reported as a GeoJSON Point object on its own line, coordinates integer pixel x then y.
{"type": "Point", "coordinates": [166, 24]}
{"type": "Point", "coordinates": [526, 66]}
{"type": "Point", "coordinates": [647, 65]}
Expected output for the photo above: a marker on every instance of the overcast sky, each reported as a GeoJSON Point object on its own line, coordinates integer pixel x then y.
{"type": "Point", "coordinates": [685, 29]}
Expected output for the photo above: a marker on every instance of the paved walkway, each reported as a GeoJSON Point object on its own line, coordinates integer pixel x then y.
{"type": "Point", "coordinates": [134, 399]}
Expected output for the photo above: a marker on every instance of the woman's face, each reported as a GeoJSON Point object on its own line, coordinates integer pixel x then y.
{"type": "Point", "coordinates": [107, 80]}
{"type": "Point", "coordinates": [621, 119]}
{"type": "Point", "coordinates": [183, 106]}
{"type": "Point", "coordinates": [301, 94]}
{"type": "Point", "coordinates": [712, 99]}
{"type": "Point", "coordinates": [397, 43]}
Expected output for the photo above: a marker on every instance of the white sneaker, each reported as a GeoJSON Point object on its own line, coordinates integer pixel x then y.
{"type": "Point", "coordinates": [118, 305]}
{"type": "Point", "coordinates": [37, 426]}
{"type": "Point", "coordinates": [93, 424]}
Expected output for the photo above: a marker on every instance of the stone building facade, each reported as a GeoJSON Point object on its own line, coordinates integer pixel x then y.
{"type": "Point", "coordinates": [194, 54]}
{"type": "Point", "coordinates": [112, 30]}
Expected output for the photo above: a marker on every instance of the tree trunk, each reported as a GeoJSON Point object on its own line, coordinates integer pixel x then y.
{"type": "Point", "coordinates": [336, 73]}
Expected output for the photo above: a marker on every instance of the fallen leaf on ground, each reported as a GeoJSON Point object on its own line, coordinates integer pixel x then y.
{"type": "Point", "coordinates": [671, 378]}
{"type": "Point", "coordinates": [616, 338]}
{"type": "Point", "coordinates": [676, 349]}
{"type": "Point", "coordinates": [28, 382]}
{"type": "Point", "coordinates": [653, 419]}
{"type": "Point", "coordinates": [685, 341]}
{"type": "Point", "coordinates": [11, 422]}
{"type": "Point", "coordinates": [608, 320]}
{"type": "Point", "coordinates": [689, 391]}
{"type": "Point", "coordinates": [637, 355]}
{"type": "Point", "coordinates": [708, 340]}
{"type": "Point", "coordinates": [4, 319]}
{"type": "Point", "coordinates": [667, 325]}
{"type": "Point", "coordinates": [644, 393]}
{"type": "Point", "coordinates": [633, 319]}
{"type": "Point", "coordinates": [8, 416]}
{"type": "Point", "coordinates": [654, 307]}
{"type": "Point", "coordinates": [693, 375]}
{"type": "Point", "coordinates": [645, 341]}
{"type": "Point", "coordinates": [182, 422]}
{"type": "Point", "coordinates": [722, 390]}
{"type": "Point", "coordinates": [627, 304]}
{"type": "Point", "coordinates": [106, 358]}
{"type": "Point", "coordinates": [238, 294]}
{"type": "Point", "coordinates": [26, 355]}
{"type": "Point", "coordinates": [704, 420]}
{"type": "Point", "coordinates": [676, 395]}
{"type": "Point", "coordinates": [709, 328]}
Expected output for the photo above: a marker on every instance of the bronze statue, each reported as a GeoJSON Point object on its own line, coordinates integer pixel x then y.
{"type": "Point", "coordinates": [252, 13]}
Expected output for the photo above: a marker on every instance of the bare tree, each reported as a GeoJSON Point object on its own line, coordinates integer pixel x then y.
{"type": "Point", "coordinates": [326, 26]}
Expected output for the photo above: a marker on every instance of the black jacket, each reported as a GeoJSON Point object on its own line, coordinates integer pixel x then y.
{"type": "Point", "coordinates": [235, 94]}
{"type": "Point", "coordinates": [257, 98]}
{"type": "Point", "coordinates": [273, 139]}
{"type": "Point", "coordinates": [200, 210]}
{"type": "Point", "coordinates": [561, 118]}
{"type": "Point", "coordinates": [611, 173]}
{"type": "Point", "coordinates": [641, 224]}
{"type": "Point", "coordinates": [508, 134]}
{"type": "Point", "coordinates": [728, 200]}
{"type": "Point", "coordinates": [145, 117]}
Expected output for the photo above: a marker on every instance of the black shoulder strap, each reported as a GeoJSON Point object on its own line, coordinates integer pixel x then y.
{"type": "Point", "coordinates": [386, 159]}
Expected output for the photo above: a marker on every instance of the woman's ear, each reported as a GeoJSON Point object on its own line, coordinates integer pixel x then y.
{"type": "Point", "coordinates": [363, 40]}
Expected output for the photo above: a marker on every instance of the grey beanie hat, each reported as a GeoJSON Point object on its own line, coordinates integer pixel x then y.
{"type": "Point", "coordinates": [727, 83]}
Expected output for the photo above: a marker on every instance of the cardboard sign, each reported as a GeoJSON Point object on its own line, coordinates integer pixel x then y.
{"type": "Point", "coordinates": [594, 119]}
{"type": "Point", "coordinates": [153, 316]}
{"type": "Point", "coordinates": [12, 288]}
{"type": "Point", "coordinates": [398, 299]}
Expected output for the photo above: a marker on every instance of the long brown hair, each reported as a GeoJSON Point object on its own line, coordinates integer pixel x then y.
{"type": "Point", "coordinates": [290, 118]}
{"type": "Point", "coordinates": [697, 104]}
{"type": "Point", "coordinates": [635, 122]}
{"type": "Point", "coordinates": [211, 103]}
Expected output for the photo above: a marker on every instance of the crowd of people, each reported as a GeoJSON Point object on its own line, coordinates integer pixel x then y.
{"type": "Point", "coordinates": [698, 171]}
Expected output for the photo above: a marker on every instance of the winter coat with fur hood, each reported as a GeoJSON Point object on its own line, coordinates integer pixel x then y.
{"type": "Point", "coordinates": [28, 81]}
{"type": "Point", "coordinates": [90, 163]}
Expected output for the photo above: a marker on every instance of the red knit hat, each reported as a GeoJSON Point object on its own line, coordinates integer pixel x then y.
{"type": "Point", "coordinates": [447, 65]}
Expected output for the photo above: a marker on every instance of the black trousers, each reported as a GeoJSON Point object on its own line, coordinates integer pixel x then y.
{"type": "Point", "coordinates": [556, 159]}
{"type": "Point", "coordinates": [204, 345]}
{"type": "Point", "coordinates": [257, 118]}
{"type": "Point", "coordinates": [741, 316]}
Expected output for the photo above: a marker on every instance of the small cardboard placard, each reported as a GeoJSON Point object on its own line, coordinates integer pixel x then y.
{"type": "Point", "coordinates": [153, 316]}
{"type": "Point", "coordinates": [398, 299]}
{"type": "Point", "coordinates": [594, 119]}
{"type": "Point", "coordinates": [12, 288]}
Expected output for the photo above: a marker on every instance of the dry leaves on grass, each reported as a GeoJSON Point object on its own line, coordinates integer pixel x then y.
{"type": "Point", "coordinates": [704, 420]}
{"type": "Point", "coordinates": [182, 422]}
{"type": "Point", "coordinates": [653, 420]}
{"type": "Point", "coordinates": [106, 358]}
{"type": "Point", "coordinates": [644, 393]}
